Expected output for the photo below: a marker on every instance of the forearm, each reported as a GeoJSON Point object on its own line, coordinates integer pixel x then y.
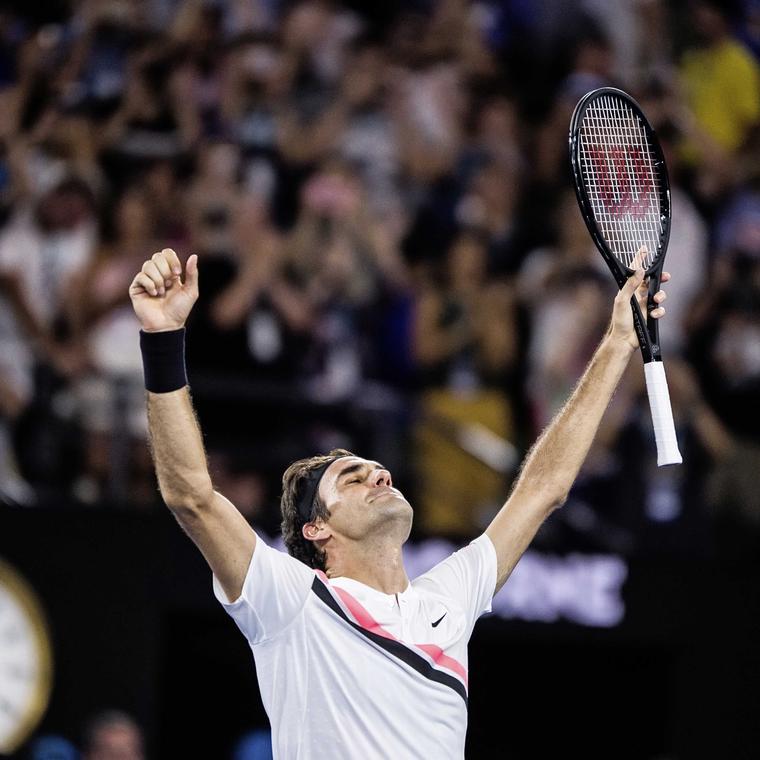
{"type": "Point", "coordinates": [177, 449]}
{"type": "Point", "coordinates": [162, 303]}
{"type": "Point", "coordinates": [554, 461]}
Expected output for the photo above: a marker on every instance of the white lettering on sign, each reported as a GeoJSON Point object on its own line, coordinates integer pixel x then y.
{"type": "Point", "coordinates": [585, 589]}
{"type": "Point", "coordinates": [581, 588]}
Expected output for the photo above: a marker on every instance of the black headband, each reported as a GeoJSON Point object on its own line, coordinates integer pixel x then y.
{"type": "Point", "coordinates": [309, 487]}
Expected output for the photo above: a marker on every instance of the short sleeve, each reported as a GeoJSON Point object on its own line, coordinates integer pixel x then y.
{"type": "Point", "coordinates": [275, 589]}
{"type": "Point", "coordinates": [467, 577]}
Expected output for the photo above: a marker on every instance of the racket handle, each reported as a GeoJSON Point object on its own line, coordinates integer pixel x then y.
{"type": "Point", "coordinates": [662, 414]}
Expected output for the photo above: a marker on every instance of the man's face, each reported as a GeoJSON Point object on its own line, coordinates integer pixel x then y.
{"type": "Point", "coordinates": [362, 501]}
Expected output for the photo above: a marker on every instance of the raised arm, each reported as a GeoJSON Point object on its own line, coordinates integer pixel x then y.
{"type": "Point", "coordinates": [553, 463]}
{"type": "Point", "coordinates": [162, 302]}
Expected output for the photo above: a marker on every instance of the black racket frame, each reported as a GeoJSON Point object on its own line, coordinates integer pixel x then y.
{"type": "Point", "coordinates": [647, 330]}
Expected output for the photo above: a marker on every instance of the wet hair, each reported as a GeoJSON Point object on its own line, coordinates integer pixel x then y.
{"type": "Point", "coordinates": [294, 480]}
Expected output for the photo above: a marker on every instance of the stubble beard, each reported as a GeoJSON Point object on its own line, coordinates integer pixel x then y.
{"type": "Point", "coordinates": [392, 520]}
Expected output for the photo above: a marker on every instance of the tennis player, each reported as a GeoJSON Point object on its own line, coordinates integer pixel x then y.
{"type": "Point", "coordinates": [353, 659]}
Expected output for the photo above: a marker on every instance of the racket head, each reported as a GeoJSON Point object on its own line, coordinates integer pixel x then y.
{"type": "Point", "coordinates": [621, 180]}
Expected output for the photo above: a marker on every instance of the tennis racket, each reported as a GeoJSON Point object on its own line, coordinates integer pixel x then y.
{"type": "Point", "coordinates": [623, 191]}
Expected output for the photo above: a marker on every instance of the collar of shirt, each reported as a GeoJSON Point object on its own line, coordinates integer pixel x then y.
{"type": "Point", "coordinates": [374, 597]}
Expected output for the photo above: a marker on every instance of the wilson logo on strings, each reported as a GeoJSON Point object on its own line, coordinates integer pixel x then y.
{"type": "Point", "coordinates": [620, 180]}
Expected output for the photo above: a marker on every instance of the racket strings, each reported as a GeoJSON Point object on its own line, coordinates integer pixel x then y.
{"type": "Point", "coordinates": [622, 179]}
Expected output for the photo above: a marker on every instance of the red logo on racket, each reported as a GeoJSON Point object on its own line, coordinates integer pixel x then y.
{"type": "Point", "coordinates": [622, 179]}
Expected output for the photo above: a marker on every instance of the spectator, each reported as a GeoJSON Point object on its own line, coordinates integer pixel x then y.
{"type": "Point", "coordinates": [41, 250]}
{"type": "Point", "coordinates": [465, 342]}
{"type": "Point", "coordinates": [112, 735]}
{"type": "Point", "coordinates": [257, 78]}
{"type": "Point", "coordinates": [721, 79]}
{"type": "Point", "coordinates": [154, 121]}
{"type": "Point", "coordinates": [52, 747]}
{"type": "Point", "coordinates": [490, 206]}
{"type": "Point", "coordinates": [343, 263]}
{"type": "Point", "coordinates": [562, 288]}
{"type": "Point", "coordinates": [370, 190]}
{"type": "Point", "coordinates": [110, 394]}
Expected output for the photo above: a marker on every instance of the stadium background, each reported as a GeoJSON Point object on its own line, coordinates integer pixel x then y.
{"type": "Point", "coordinates": [392, 261]}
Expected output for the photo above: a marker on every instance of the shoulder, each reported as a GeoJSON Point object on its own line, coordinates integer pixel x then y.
{"type": "Point", "coordinates": [459, 566]}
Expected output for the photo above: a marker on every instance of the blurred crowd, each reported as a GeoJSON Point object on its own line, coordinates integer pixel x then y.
{"type": "Point", "coordinates": [112, 734]}
{"type": "Point", "coordinates": [391, 255]}
{"type": "Point", "coordinates": [108, 735]}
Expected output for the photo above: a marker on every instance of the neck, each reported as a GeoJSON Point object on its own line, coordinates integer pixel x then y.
{"type": "Point", "coordinates": [379, 565]}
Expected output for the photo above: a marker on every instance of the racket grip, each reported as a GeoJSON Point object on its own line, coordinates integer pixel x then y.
{"type": "Point", "coordinates": [662, 414]}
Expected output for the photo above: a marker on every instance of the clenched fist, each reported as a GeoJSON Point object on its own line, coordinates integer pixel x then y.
{"type": "Point", "coordinates": [161, 300]}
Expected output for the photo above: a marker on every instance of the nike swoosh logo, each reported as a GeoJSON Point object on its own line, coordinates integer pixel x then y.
{"type": "Point", "coordinates": [439, 620]}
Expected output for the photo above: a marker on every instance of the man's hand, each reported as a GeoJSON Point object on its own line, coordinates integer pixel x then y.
{"type": "Point", "coordinates": [160, 299]}
{"type": "Point", "coordinates": [621, 326]}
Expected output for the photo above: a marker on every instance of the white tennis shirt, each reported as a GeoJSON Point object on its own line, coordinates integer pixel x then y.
{"type": "Point", "coordinates": [346, 671]}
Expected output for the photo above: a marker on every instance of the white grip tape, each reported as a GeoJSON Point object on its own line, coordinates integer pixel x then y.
{"type": "Point", "coordinates": [662, 414]}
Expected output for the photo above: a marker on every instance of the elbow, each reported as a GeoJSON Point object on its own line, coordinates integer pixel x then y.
{"type": "Point", "coordinates": [554, 494]}
{"type": "Point", "coordinates": [545, 499]}
{"type": "Point", "coordinates": [558, 500]}
{"type": "Point", "coordinates": [188, 501]}
{"type": "Point", "coordinates": [550, 501]}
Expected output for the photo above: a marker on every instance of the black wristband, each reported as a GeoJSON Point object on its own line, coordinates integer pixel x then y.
{"type": "Point", "coordinates": [163, 356]}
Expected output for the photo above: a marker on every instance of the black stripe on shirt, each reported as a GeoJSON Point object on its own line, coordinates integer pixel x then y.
{"type": "Point", "coordinates": [396, 648]}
